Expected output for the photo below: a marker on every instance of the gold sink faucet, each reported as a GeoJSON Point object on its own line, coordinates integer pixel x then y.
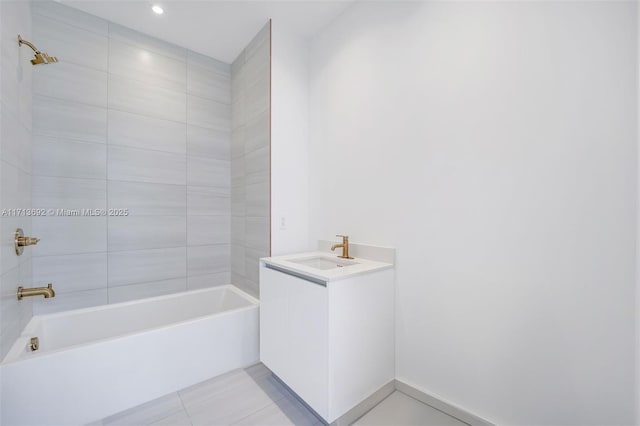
{"type": "Point", "coordinates": [344, 245]}
{"type": "Point", "coordinates": [47, 292]}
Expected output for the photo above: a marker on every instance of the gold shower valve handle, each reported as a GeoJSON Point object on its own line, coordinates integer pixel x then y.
{"type": "Point", "coordinates": [21, 241]}
{"type": "Point", "coordinates": [27, 241]}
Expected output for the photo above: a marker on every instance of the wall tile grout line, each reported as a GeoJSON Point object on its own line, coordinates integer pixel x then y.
{"type": "Point", "coordinates": [186, 170]}
{"type": "Point", "coordinates": [15, 166]}
{"type": "Point", "coordinates": [130, 250]}
{"type": "Point", "coordinates": [36, 11]}
{"type": "Point", "coordinates": [107, 158]}
{"type": "Point", "coordinates": [106, 107]}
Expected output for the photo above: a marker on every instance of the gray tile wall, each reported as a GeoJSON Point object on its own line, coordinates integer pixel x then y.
{"type": "Point", "coordinates": [128, 121]}
{"type": "Point", "coordinates": [15, 165]}
{"type": "Point", "coordinates": [250, 161]}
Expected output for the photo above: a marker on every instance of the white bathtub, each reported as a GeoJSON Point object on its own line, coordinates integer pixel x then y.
{"type": "Point", "coordinates": [95, 362]}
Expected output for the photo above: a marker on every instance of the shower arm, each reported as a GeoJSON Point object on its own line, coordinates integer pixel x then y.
{"type": "Point", "coordinates": [21, 41]}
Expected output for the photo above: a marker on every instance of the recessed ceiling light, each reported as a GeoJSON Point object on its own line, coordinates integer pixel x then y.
{"type": "Point", "coordinates": [157, 9]}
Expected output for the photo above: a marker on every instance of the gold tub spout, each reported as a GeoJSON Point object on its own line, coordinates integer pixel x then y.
{"type": "Point", "coordinates": [47, 292]}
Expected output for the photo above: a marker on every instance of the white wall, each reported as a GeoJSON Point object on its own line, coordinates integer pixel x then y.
{"type": "Point", "coordinates": [15, 166]}
{"type": "Point", "coordinates": [127, 121]}
{"type": "Point", "coordinates": [289, 142]}
{"type": "Point", "coordinates": [494, 145]}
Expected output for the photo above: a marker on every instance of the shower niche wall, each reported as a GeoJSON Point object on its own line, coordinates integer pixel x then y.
{"type": "Point", "coordinates": [141, 131]}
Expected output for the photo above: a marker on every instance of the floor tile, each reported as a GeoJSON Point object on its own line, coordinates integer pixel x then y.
{"type": "Point", "coordinates": [210, 388]}
{"type": "Point", "coordinates": [287, 411]}
{"type": "Point", "coordinates": [181, 418]}
{"type": "Point", "coordinates": [148, 413]}
{"type": "Point", "coordinates": [252, 396]}
{"type": "Point", "coordinates": [235, 402]}
{"type": "Point", "coordinates": [402, 410]}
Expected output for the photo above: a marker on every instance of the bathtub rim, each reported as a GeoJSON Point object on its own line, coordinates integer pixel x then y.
{"type": "Point", "coordinates": [15, 353]}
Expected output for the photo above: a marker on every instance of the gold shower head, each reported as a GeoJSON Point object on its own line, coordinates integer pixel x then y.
{"type": "Point", "coordinates": [41, 57]}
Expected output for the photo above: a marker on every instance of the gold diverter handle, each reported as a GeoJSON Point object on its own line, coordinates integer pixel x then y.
{"type": "Point", "coordinates": [21, 241]}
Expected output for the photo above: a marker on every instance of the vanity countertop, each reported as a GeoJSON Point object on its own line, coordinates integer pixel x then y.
{"type": "Point", "coordinates": [349, 267]}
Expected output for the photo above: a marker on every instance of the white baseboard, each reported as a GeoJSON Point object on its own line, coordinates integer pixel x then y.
{"type": "Point", "coordinates": [441, 405]}
{"type": "Point", "coordinates": [356, 412]}
{"type": "Point", "coordinates": [381, 394]}
{"type": "Point", "coordinates": [365, 406]}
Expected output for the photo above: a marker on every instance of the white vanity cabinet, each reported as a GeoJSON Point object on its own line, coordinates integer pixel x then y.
{"type": "Point", "coordinates": [331, 342]}
{"type": "Point", "coordinates": [294, 334]}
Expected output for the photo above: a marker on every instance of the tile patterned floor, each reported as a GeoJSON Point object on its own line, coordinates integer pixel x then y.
{"type": "Point", "coordinates": [254, 397]}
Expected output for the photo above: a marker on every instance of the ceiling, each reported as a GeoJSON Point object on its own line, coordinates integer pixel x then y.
{"type": "Point", "coordinates": [216, 28]}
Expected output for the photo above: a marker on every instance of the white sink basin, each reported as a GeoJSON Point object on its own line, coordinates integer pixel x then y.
{"type": "Point", "coordinates": [321, 266]}
{"type": "Point", "coordinates": [324, 262]}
